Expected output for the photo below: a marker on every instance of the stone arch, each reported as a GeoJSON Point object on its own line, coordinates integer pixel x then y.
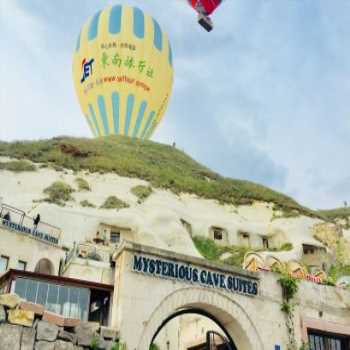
{"type": "Point", "coordinates": [227, 311]}
{"type": "Point", "coordinates": [45, 266]}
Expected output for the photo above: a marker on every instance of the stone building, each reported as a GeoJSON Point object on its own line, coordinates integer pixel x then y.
{"type": "Point", "coordinates": [175, 301]}
{"type": "Point", "coordinates": [136, 272]}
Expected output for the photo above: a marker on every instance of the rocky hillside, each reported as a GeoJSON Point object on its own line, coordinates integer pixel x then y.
{"type": "Point", "coordinates": [161, 165]}
{"type": "Point", "coordinates": [161, 194]}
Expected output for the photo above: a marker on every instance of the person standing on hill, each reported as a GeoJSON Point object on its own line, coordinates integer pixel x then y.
{"type": "Point", "coordinates": [36, 221]}
{"type": "Point", "coordinates": [7, 217]}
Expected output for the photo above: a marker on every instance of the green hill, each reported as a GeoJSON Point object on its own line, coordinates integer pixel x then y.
{"type": "Point", "coordinates": [162, 165]}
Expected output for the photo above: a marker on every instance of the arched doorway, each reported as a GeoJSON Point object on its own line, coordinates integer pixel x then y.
{"type": "Point", "coordinates": [204, 339]}
{"type": "Point", "coordinates": [44, 266]}
{"type": "Point", "coordinates": [228, 313]}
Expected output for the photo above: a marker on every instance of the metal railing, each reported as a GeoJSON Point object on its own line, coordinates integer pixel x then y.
{"type": "Point", "coordinates": [14, 215]}
{"type": "Point", "coordinates": [71, 254]}
{"type": "Point", "coordinates": [85, 251]}
{"type": "Point", "coordinates": [216, 341]}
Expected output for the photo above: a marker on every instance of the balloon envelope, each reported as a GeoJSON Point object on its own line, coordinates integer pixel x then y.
{"type": "Point", "coordinates": [207, 6]}
{"type": "Point", "coordinates": [122, 72]}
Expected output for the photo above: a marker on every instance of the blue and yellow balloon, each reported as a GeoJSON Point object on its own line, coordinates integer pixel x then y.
{"type": "Point", "coordinates": [123, 73]}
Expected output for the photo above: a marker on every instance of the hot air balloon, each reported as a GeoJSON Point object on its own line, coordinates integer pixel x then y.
{"type": "Point", "coordinates": [205, 8]}
{"type": "Point", "coordinates": [122, 72]}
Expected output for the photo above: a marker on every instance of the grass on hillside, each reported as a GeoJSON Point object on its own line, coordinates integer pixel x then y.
{"type": "Point", "coordinates": [17, 166]}
{"type": "Point", "coordinates": [86, 204]}
{"type": "Point", "coordinates": [142, 192]}
{"type": "Point", "coordinates": [83, 185]}
{"type": "Point", "coordinates": [338, 213]}
{"type": "Point", "coordinates": [162, 165]}
{"type": "Point", "coordinates": [112, 202]}
{"type": "Point", "coordinates": [58, 193]}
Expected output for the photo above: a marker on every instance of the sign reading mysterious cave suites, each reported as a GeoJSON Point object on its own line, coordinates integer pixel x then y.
{"type": "Point", "coordinates": [31, 232]}
{"type": "Point", "coordinates": [189, 273]}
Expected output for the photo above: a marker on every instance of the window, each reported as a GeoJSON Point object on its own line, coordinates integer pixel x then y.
{"type": "Point", "coordinates": [74, 301]}
{"type": "Point", "coordinates": [4, 263]}
{"type": "Point", "coordinates": [324, 341]}
{"type": "Point", "coordinates": [21, 286]}
{"type": "Point", "coordinates": [45, 266]}
{"type": "Point", "coordinates": [71, 302]}
{"type": "Point", "coordinates": [63, 298]}
{"type": "Point", "coordinates": [265, 243]}
{"type": "Point", "coordinates": [42, 291]}
{"type": "Point", "coordinates": [31, 291]}
{"type": "Point", "coordinates": [244, 238]}
{"type": "Point", "coordinates": [308, 249]}
{"type": "Point", "coordinates": [21, 265]}
{"type": "Point", "coordinates": [115, 237]}
{"type": "Point", "coordinates": [217, 234]}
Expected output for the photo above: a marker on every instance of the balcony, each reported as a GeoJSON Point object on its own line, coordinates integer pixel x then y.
{"type": "Point", "coordinates": [16, 220]}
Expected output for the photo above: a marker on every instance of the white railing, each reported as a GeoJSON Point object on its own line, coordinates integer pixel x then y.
{"type": "Point", "coordinates": [17, 220]}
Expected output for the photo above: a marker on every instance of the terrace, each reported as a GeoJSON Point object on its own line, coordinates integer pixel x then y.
{"type": "Point", "coordinates": [15, 219]}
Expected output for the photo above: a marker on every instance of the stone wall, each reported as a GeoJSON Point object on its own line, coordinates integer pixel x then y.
{"type": "Point", "coordinates": [26, 326]}
{"type": "Point", "coordinates": [143, 301]}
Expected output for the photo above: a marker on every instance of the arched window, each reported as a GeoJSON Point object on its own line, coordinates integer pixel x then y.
{"type": "Point", "coordinates": [45, 266]}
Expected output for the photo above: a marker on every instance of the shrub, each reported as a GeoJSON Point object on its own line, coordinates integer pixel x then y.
{"type": "Point", "coordinates": [329, 281]}
{"type": "Point", "coordinates": [118, 346]}
{"type": "Point", "coordinates": [286, 307]}
{"type": "Point", "coordinates": [142, 192]}
{"type": "Point", "coordinates": [112, 202]}
{"type": "Point", "coordinates": [59, 193]}
{"type": "Point", "coordinates": [83, 185]}
{"type": "Point", "coordinates": [287, 246]}
{"type": "Point", "coordinates": [289, 286]}
{"type": "Point", "coordinates": [207, 248]}
{"type": "Point", "coordinates": [277, 268]}
{"type": "Point", "coordinates": [86, 204]}
{"type": "Point", "coordinates": [338, 270]}
{"type": "Point", "coordinates": [17, 166]}
{"type": "Point", "coordinates": [237, 257]}
{"type": "Point", "coordinates": [211, 251]}
{"type": "Point", "coordinates": [94, 343]}
{"type": "Point", "coordinates": [304, 346]}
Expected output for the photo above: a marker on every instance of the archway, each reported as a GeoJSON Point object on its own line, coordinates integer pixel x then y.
{"type": "Point", "coordinates": [222, 332]}
{"type": "Point", "coordinates": [44, 266]}
{"type": "Point", "coordinates": [227, 312]}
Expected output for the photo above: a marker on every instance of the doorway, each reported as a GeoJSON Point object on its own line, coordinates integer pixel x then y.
{"type": "Point", "coordinates": [192, 329]}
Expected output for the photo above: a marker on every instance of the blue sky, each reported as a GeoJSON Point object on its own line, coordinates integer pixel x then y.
{"type": "Point", "coordinates": [264, 97]}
